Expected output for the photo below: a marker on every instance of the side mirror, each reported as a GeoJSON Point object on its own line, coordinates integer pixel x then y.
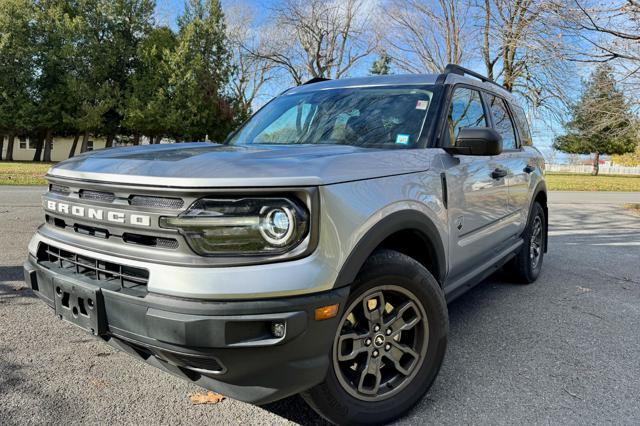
{"type": "Point", "coordinates": [477, 141]}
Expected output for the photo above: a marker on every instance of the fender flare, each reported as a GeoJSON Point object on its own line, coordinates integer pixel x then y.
{"type": "Point", "coordinates": [402, 220]}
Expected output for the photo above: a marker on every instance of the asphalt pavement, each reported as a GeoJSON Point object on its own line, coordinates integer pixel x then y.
{"type": "Point", "coordinates": [565, 350]}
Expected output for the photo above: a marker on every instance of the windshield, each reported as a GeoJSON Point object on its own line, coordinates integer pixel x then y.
{"type": "Point", "coordinates": [377, 117]}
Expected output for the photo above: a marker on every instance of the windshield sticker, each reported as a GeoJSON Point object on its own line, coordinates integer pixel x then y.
{"type": "Point", "coordinates": [422, 105]}
{"type": "Point", "coordinates": [402, 139]}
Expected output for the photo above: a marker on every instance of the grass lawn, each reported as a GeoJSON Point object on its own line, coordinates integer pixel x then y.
{"type": "Point", "coordinates": [23, 173]}
{"type": "Point", "coordinates": [576, 182]}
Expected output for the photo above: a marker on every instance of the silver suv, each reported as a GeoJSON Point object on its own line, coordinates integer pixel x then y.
{"type": "Point", "coordinates": [313, 252]}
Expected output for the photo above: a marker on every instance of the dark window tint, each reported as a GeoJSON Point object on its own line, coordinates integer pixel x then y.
{"type": "Point", "coordinates": [466, 111]}
{"type": "Point", "coordinates": [522, 125]}
{"type": "Point", "coordinates": [375, 117]}
{"type": "Point", "coordinates": [502, 122]}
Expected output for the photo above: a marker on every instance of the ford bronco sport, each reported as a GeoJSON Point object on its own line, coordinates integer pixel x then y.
{"type": "Point", "coordinates": [313, 252]}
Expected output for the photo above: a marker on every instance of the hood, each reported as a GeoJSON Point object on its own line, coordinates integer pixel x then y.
{"type": "Point", "coordinates": [211, 165]}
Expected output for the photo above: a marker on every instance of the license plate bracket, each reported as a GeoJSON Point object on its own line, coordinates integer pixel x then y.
{"type": "Point", "coordinates": [80, 304]}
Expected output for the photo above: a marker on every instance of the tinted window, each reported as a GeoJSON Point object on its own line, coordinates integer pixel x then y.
{"type": "Point", "coordinates": [466, 111]}
{"type": "Point", "coordinates": [377, 117]}
{"type": "Point", "coordinates": [522, 125]}
{"type": "Point", "coordinates": [502, 122]}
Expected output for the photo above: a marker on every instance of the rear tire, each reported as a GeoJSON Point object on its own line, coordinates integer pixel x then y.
{"type": "Point", "coordinates": [389, 345]}
{"type": "Point", "coordinates": [527, 264]}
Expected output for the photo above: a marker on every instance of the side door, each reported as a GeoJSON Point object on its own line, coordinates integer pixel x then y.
{"type": "Point", "coordinates": [513, 160]}
{"type": "Point", "coordinates": [477, 196]}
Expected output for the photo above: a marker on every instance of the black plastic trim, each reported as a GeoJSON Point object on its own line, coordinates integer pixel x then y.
{"type": "Point", "coordinates": [395, 222]}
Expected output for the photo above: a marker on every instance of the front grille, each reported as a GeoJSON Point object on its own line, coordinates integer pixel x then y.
{"type": "Point", "coordinates": [105, 197]}
{"type": "Point", "coordinates": [157, 202]}
{"type": "Point", "coordinates": [90, 267]}
{"type": "Point", "coordinates": [59, 189]}
{"type": "Point", "coordinates": [149, 240]}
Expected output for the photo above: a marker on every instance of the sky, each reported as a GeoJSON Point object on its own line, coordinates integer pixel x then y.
{"type": "Point", "coordinates": [167, 12]}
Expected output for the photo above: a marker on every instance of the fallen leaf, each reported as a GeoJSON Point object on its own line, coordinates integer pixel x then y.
{"type": "Point", "coordinates": [206, 398]}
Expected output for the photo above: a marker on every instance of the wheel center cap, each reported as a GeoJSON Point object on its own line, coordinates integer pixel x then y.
{"type": "Point", "coordinates": [378, 340]}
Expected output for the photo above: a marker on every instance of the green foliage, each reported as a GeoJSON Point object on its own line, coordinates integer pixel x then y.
{"type": "Point", "coordinates": [147, 110]}
{"type": "Point", "coordinates": [200, 74]}
{"type": "Point", "coordinates": [103, 67]}
{"type": "Point", "coordinates": [601, 122]}
{"type": "Point", "coordinates": [381, 66]}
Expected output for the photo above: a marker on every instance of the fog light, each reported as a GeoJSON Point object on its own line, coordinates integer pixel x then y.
{"type": "Point", "coordinates": [278, 329]}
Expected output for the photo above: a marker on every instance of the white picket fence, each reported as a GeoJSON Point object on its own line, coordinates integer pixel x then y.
{"type": "Point", "coordinates": [587, 169]}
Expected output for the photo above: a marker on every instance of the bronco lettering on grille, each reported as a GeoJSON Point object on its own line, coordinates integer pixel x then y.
{"type": "Point", "coordinates": [98, 214]}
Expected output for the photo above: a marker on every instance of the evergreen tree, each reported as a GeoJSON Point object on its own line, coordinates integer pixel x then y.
{"type": "Point", "coordinates": [149, 93]}
{"type": "Point", "coordinates": [17, 38]}
{"type": "Point", "coordinates": [601, 122]}
{"type": "Point", "coordinates": [201, 69]}
{"type": "Point", "coordinates": [381, 65]}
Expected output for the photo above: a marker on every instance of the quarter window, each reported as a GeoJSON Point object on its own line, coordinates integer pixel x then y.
{"type": "Point", "coordinates": [502, 122]}
{"type": "Point", "coordinates": [522, 125]}
{"type": "Point", "coordinates": [466, 111]}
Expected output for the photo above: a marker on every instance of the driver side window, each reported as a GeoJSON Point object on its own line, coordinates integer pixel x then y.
{"type": "Point", "coordinates": [466, 111]}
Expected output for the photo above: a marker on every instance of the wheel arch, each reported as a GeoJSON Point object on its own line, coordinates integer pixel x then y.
{"type": "Point", "coordinates": [407, 231]}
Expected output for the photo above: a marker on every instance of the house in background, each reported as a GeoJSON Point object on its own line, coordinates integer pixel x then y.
{"type": "Point", "coordinates": [24, 147]}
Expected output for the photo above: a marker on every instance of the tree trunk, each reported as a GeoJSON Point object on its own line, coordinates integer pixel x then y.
{"type": "Point", "coordinates": [12, 138]}
{"type": "Point", "coordinates": [85, 139]}
{"type": "Point", "coordinates": [109, 142]}
{"type": "Point", "coordinates": [136, 139]}
{"type": "Point", "coordinates": [47, 146]}
{"type": "Point", "coordinates": [37, 156]}
{"type": "Point", "coordinates": [596, 165]}
{"type": "Point", "coordinates": [158, 139]}
{"type": "Point", "coordinates": [72, 151]}
{"type": "Point", "coordinates": [1, 144]}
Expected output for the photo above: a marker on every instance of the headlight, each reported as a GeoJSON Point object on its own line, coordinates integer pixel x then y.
{"type": "Point", "coordinates": [246, 226]}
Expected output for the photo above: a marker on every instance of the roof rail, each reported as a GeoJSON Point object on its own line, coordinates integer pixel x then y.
{"type": "Point", "coordinates": [457, 69]}
{"type": "Point", "coordinates": [315, 80]}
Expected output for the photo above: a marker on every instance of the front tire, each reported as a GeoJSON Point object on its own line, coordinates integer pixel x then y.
{"type": "Point", "coordinates": [389, 345]}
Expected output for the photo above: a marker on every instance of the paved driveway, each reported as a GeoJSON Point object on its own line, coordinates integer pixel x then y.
{"type": "Point", "coordinates": [564, 350]}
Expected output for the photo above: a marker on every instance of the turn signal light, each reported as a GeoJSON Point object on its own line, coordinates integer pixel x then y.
{"type": "Point", "coordinates": [326, 312]}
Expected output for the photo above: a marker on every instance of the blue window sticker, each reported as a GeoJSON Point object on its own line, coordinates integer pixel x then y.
{"type": "Point", "coordinates": [402, 139]}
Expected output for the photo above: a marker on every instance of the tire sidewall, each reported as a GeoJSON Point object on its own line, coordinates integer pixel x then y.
{"type": "Point", "coordinates": [336, 404]}
{"type": "Point", "coordinates": [533, 273]}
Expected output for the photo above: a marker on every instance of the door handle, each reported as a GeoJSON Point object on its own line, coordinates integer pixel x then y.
{"type": "Point", "coordinates": [498, 173]}
{"type": "Point", "coordinates": [529, 169]}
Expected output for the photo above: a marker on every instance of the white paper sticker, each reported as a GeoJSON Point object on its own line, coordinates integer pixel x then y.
{"type": "Point", "coordinates": [422, 105]}
{"type": "Point", "coordinates": [402, 139]}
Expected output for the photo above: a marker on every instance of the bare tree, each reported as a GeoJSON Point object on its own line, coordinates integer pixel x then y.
{"type": "Point", "coordinates": [251, 72]}
{"type": "Point", "coordinates": [316, 38]}
{"type": "Point", "coordinates": [611, 29]}
{"type": "Point", "coordinates": [523, 48]}
{"type": "Point", "coordinates": [608, 32]}
{"type": "Point", "coordinates": [426, 35]}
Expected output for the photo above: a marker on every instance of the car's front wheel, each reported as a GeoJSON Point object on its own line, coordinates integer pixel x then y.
{"type": "Point", "coordinates": [389, 345]}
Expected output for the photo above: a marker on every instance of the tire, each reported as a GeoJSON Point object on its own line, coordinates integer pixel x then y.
{"type": "Point", "coordinates": [526, 266]}
{"type": "Point", "coordinates": [346, 396]}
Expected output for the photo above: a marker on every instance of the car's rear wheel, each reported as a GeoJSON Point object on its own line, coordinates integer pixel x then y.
{"type": "Point", "coordinates": [389, 345]}
{"type": "Point", "coordinates": [527, 264]}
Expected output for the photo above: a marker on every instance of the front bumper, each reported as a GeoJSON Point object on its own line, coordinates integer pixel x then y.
{"type": "Point", "coordinates": [225, 346]}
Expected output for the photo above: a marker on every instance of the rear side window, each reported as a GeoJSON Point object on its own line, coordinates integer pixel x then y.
{"type": "Point", "coordinates": [502, 122]}
{"type": "Point", "coordinates": [522, 125]}
{"type": "Point", "coordinates": [466, 111]}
